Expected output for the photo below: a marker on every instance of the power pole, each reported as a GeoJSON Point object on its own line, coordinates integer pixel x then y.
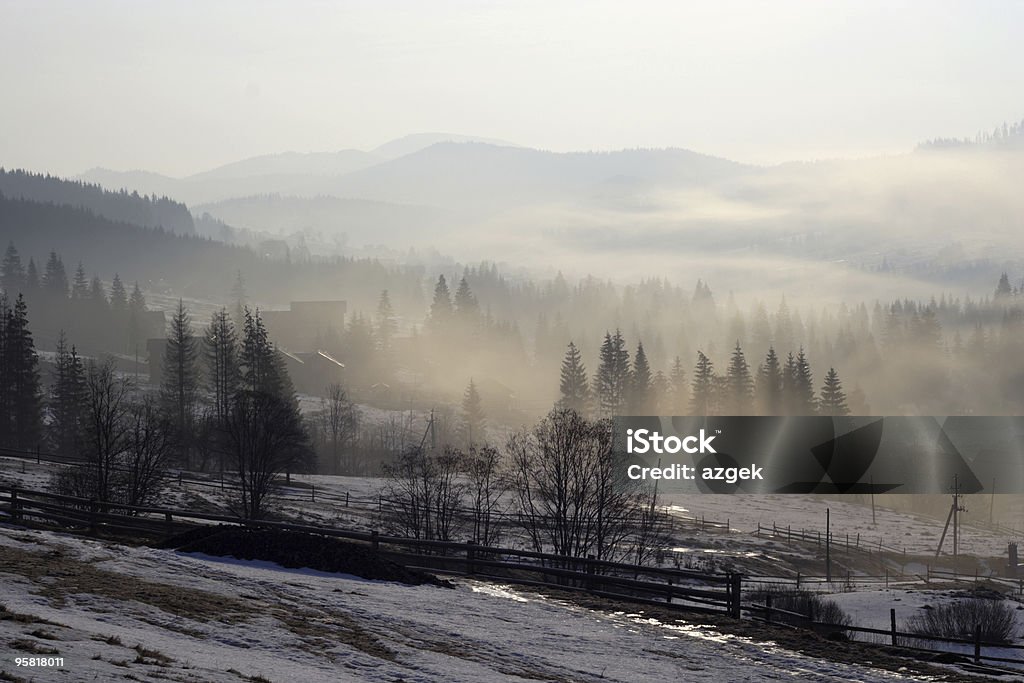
{"type": "Point", "coordinates": [828, 545]}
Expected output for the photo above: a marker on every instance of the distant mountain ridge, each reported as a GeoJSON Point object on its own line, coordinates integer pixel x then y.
{"type": "Point", "coordinates": [122, 206]}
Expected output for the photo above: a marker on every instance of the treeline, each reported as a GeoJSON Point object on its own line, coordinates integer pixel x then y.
{"type": "Point", "coordinates": [114, 321]}
{"type": "Point", "coordinates": [775, 387]}
{"type": "Point", "coordinates": [240, 414]}
{"type": "Point", "coordinates": [165, 262]}
{"type": "Point", "coordinates": [1006, 135]}
{"type": "Point", "coordinates": [123, 206]}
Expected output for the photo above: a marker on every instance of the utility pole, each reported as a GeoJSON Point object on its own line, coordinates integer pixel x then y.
{"type": "Point", "coordinates": [954, 509]}
{"type": "Point", "coordinates": [871, 482]}
{"type": "Point", "coordinates": [828, 545]}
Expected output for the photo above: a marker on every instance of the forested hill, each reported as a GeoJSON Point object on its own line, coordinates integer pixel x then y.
{"type": "Point", "coordinates": [149, 212]}
{"type": "Point", "coordinates": [194, 266]}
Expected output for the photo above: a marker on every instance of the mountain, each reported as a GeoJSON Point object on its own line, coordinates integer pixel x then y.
{"type": "Point", "coordinates": [146, 211]}
{"type": "Point", "coordinates": [410, 144]}
{"type": "Point", "coordinates": [474, 174]}
{"type": "Point", "coordinates": [292, 163]}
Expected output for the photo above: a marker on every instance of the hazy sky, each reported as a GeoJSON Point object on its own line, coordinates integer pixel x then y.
{"type": "Point", "coordinates": [179, 87]}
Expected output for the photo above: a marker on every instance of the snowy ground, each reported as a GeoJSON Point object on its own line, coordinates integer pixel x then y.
{"type": "Point", "coordinates": [114, 612]}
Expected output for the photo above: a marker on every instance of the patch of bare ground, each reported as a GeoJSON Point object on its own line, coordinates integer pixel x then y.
{"type": "Point", "coordinates": [58, 575]}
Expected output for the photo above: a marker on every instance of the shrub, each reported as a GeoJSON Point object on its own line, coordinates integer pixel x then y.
{"type": "Point", "coordinates": [805, 602]}
{"type": "Point", "coordinates": [959, 619]}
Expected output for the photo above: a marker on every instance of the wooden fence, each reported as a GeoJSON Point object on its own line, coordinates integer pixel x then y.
{"type": "Point", "coordinates": [654, 585]}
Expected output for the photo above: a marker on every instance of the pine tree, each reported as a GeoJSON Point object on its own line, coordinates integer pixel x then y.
{"type": "Point", "coordinates": [80, 286]}
{"type": "Point", "coordinates": [258, 362]}
{"type": "Point", "coordinates": [467, 309]}
{"type": "Point", "coordinates": [640, 383]}
{"type": "Point", "coordinates": [1003, 289]}
{"type": "Point", "coordinates": [386, 326]}
{"type": "Point", "coordinates": [611, 383]}
{"type": "Point", "coordinates": [833, 399]}
{"type": "Point", "coordinates": [441, 307]}
{"type": "Point", "coordinates": [474, 422]}
{"type": "Point", "coordinates": [118, 298]}
{"type": "Point", "coordinates": [55, 278]}
{"type": "Point", "coordinates": [67, 400]}
{"type": "Point", "coordinates": [32, 285]}
{"type": "Point", "coordinates": [136, 311]}
{"type": "Point", "coordinates": [740, 385]}
{"type": "Point", "coordinates": [703, 387]}
{"type": "Point", "coordinates": [803, 386]}
{"type": "Point", "coordinates": [574, 387]}
{"type": "Point", "coordinates": [769, 385]}
{"type": "Point", "coordinates": [180, 388]}
{"type": "Point", "coordinates": [241, 298]}
{"type": "Point", "coordinates": [12, 274]}
{"type": "Point", "coordinates": [679, 393]}
{"type": "Point", "coordinates": [23, 409]}
{"type": "Point", "coordinates": [220, 350]}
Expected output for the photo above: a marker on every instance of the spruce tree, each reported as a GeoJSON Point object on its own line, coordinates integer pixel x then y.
{"type": "Point", "coordinates": [67, 400]}
{"type": "Point", "coordinates": [119, 298]}
{"type": "Point", "coordinates": [611, 384]}
{"type": "Point", "coordinates": [740, 385]}
{"type": "Point", "coordinates": [803, 386]}
{"type": "Point", "coordinates": [474, 422]}
{"type": "Point", "coordinates": [703, 387]}
{"type": "Point", "coordinates": [12, 274]}
{"type": "Point", "coordinates": [220, 351]}
{"type": "Point", "coordinates": [441, 307]}
{"type": "Point", "coordinates": [55, 278]}
{"type": "Point", "coordinates": [833, 398]}
{"type": "Point", "coordinates": [180, 387]}
{"type": "Point", "coordinates": [678, 391]}
{"type": "Point", "coordinates": [24, 396]}
{"type": "Point", "coordinates": [80, 286]}
{"type": "Point", "coordinates": [467, 309]}
{"type": "Point", "coordinates": [573, 385]}
{"type": "Point", "coordinates": [640, 383]}
{"type": "Point", "coordinates": [136, 311]}
{"type": "Point", "coordinates": [769, 385]}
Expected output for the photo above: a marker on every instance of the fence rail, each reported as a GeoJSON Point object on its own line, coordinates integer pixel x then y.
{"type": "Point", "coordinates": [657, 585]}
{"type": "Point", "coordinates": [688, 589]}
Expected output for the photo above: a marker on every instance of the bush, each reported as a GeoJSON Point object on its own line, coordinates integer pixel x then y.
{"type": "Point", "coordinates": [959, 619]}
{"type": "Point", "coordinates": [804, 602]}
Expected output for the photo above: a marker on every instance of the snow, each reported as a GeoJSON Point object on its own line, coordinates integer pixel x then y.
{"type": "Point", "coordinates": [311, 626]}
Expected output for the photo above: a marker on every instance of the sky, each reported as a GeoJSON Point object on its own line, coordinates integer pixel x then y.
{"type": "Point", "coordinates": [181, 87]}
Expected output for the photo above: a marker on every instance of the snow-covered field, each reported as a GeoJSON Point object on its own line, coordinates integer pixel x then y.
{"type": "Point", "coordinates": [114, 612]}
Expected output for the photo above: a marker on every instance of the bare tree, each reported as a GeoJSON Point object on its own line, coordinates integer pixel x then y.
{"type": "Point", "coordinates": [425, 493]}
{"type": "Point", "coordinates": [486, 485]}
{"type": "Point", "coordinates": [338, 421]}
{"type": "Point", "coordinates": [264, 436]}
{"type": "Point", "coordinates": [570, 492]}
{"type": "Point", "coordinates": [108, 407]}
{"type": "Point", "coordinates": [150, 447]}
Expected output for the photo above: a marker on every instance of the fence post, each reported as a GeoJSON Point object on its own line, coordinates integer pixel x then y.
{"type": "Point", "coordinates": [798, 580]}
{"type": "Point", "coordinates": [470, 557]}
{"type": "Point", "coordinates": [669, 593]}
{"type": "Point", "coordinates": [768, 608]}
{"type": "Point", "coordinates": [15, 505]}
{"type": "Point", "coordinates": [736, 582]}
{"type": "Point", "coordinates": [590, 572]}
{"type": "Point", "coordinates": [977, 643]}
{"type": "Point", "coordinates": [375, 540]}
{"type": "Point", "coordinates": [92, 514]}
{"type": "Point", "coordinates": [168, 521]}
{"type": "Point", "coordinates": [346, 498]}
